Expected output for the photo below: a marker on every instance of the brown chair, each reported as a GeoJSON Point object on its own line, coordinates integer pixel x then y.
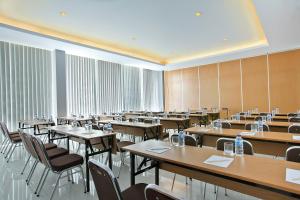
{"type": "Point", "coordinates": [6, 142]}
{"type": "Point", "coordinates": [293, 154]}
{"type": "Point", "coordinates": [189, 141]}
{"type": "Point", "coordinates": [226, 125]}
{"type": "Point", "coordinates": [294, 128]}
{"type": "Point", "coordinates": [14, 141]}
{"type": "Point", "coordinates": [120, 145]}
{"type": "Point", "coordinates": [107, 185]}
{"type": "Point", "coordinates": [294, 119]}
{"type": "Point", "coordinates": [154, 192]}
{"type": "Point", "coordinates": [248, 148]}
{"type": "Point", "coordinates": [264, 114]}
{"type": "Point", "coordinates": [258, 118]}
{"type": "Point", "coordinates": [59, 165]}
{"type": "Point", "coordinates": [265, 127]}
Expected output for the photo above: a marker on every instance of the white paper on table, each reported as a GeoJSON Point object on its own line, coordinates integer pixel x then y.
{"type": "Point", "coordinates": [296, 137]}
{"type": "Point", "coordinates": [247, 133]}
{"type": "Point", "coordinates": [159, 149]}
{"type": "Point", "coordinates": [219, 161]}
{"type": "Point", "coordinates": [292, 176]}
{"type": "Point", "coordinates": [204, 129]}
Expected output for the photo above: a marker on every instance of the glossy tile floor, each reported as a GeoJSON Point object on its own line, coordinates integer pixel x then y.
{"type": "Point", "coordinates": [13, 187]}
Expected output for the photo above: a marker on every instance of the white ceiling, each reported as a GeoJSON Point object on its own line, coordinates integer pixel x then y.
{"type": "Point", "coordinates": [164, 31]}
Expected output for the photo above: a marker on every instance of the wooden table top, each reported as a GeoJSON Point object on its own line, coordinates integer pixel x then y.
{"type": "Point", "coordinates": [267, 136]}
{"type": "Point", "coordinates": [70, 118]}
{"type": "Point", "coordinates": [273, 123]}
{"type": "Point", "coordinates": [79, 132]}
{"type": "Point", "coordinates": [275, 117]}
{"type": "Point", "coordinates": [257, 170]}
{"type": "Point", "coordinates": [127, 123]}
{"type": "Point", "coordinates": [36, 122]}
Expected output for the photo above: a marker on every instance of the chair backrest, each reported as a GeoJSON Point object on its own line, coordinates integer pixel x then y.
{"type": "Point", "coordinates": [294, 128]}
{"type": "Point", "coordinates": [28, 143]}
{"type": "Point", "coordinates": [248, 148]}
{"type": "Point", "coordinates": [263, 114]}
{"type": "Point", "coordinates": [106, 184]}
{"type": "Point", "coordinates": [226, 125]}
{"type": "Point", "coordinates": [292, 114]}
{"type": "Point", "coordinates": [293, 154]}
{"type": "Point", "coordinates": [154, 192]}
{"type": "Point", "coordinates": [41, 151]}
{"type": "Point", "coordinates": [265, 127]}
{"type": "Point", "coordinates": [258, 118]}
{"type": "Point", "coordinates": [189, 140]}
{"type": "Point", "coordinates": [294, 119]}
{"type": "Point", "coordinates": [5, 130]}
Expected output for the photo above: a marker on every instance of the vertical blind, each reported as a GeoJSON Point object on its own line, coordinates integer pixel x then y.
{"type": "Point", "coordinates": [96, 86]}
{"type": "Point", "coordinates": [25, 83]}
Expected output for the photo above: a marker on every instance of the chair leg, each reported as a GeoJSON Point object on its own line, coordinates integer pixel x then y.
{"type": "Point", "coordinates": [72, 178]}
{"type": "Point", "coordinates": [26, 164]}
{"type": "Point", "coordinates": [56, 184]}
{"type": "Point", "coordinates": [43, 183]}
{"type": "Point", "coordinates": [226, 194]}
{"type": "Point", "coordinates": [78, 148]}
{"type": "Point", "coordinates": [204, 191]}
{"type": "Point", "coordinates": [3, 144]}
{"type": "Point", "coordinates": [217, 188]}
{"type": "Point", "coordinates": [122, 163]}
{"type": "Point", "coordinates": [7, 146]}
{"type": "Point", "coordinates": [8, 150]}
{"type": "Point", "coordinates": [173, 182]}
{"type": "Point", "coordinates": [83, 179]}
{"type": "Point", "coordinates": [12, 151]}
{"type": "Point", "coordinates": [37, 187]}
{"type": "Point", "coordinates": [31, 172]}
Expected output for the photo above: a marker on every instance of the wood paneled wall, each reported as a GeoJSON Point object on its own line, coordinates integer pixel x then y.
{"type": "Point", "coordinates": [264, 82]}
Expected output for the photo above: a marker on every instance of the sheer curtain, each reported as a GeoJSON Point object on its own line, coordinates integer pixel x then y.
{"type": "Point", "coordinates": [95, 86]}
{"type": "Point", "coordinates": [152, 90]}
{"type": "Point", "coordinates": [25, 83]}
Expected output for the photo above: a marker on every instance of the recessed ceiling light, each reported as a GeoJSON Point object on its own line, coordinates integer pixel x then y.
{"type": "Point", "coordinates": [198, 13]}
{"type": "Point", "coordinates": [225, 39]}
{"type": "Point", "coordinates": [62, 13]}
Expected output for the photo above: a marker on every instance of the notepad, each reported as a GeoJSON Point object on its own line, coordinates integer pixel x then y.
{"type": "Point", "coordinates": [247, 133]}
{"type": "Point", "coordinates": [296, 137]}
{"type": "Point", "coordinates": [292, 176]}
{"type": "Point", "coordinates": [219, 161]}
{"type": "Point", "coordinates": [159, 149]}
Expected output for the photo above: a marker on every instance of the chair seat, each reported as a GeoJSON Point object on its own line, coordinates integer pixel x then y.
{"type": "Point", "coordinates": [67, 161]}
{"type": "Point", "coordinates": [135, 192]}
{"type": "Point", "coordinates": [14, 134]}
{"type": "Point", "coordinates": [122, 144]}
{"type": "Point", "coordinates": [56, 152]}
{"type": "Point", "coordinates": [16, 139]}
{"type": "Point", "coordinates": [50, 146]}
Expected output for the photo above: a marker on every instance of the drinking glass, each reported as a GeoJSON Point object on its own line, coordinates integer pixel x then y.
{"type": "Point", "coordinates": [254, 127]}
{"type": "Point", "coordinates": [228, 148]}
{"type": "Point", "coordinates": [174, 140]}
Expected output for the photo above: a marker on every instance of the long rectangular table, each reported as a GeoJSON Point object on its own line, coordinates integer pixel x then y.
{"type": "Point", "coordinates": [275, 118]}
{"type": "Point", "coordinates": [80, 120]}
{"type": "Point", "coordinates": [270, 143]}
{"type": "Point", "coordinates": [274, 126]}
{"type": "Point", "coordinates": [145, 130]}
{"type": "Point", "coordinates": [35, 124]}
{"type": "Point", "coordinates": [107, 141]}
{"type": "Point", "coordinates": [256, 176]}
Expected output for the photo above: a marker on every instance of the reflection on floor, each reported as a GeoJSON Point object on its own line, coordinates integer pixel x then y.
{"type": "Point", "coordinates": [13, 187]}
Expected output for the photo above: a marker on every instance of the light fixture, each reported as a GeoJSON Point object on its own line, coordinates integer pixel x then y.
{"type": "Point", "coordinates": [62, 13]}
{"type": "Point", "coordinates": [225, 39]}
{"type": "Point", "coordinates": [198, 14]}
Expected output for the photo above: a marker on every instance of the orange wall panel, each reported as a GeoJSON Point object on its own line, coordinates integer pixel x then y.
{"type": "Point", "coordinates": [285, 81]}
{"type": "Point", "coordinates": [209, 94]}
{"type": "Point", "coordinates": [230, 86]}
{"type": "Point", "coordinates": [190, 85]}
{"type": "Point", "coordinates": [173, 86]}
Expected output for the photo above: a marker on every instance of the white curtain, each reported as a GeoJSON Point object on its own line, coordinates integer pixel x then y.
{"type": "Point", "coordinates": [25, 83]}
{"type": "Point", "coordinates": [95, 86]}
{"type": "Point", "coordinates": [152, 90]}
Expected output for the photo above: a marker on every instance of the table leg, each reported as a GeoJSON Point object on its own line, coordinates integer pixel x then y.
{"type": "Point", "coordinates": [49, 136]}
{"type": "Point", "coordinates": [157, 174]}
{"type": "Point", "coordinates": [87, 167]}
{"type": "Point", "coordinates": [68, 145]}
{"type": "Point", "coordinates": [132, 169]}
{"type": "Point", "coordinates": [110, 158]}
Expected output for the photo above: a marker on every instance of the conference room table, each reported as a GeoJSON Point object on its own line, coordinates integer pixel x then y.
{"type": "Point", "coordinates": [273, 125]}
{"type": "Point", "coordinates": [264, 178]}
{"type": "Point", "coordinates": [35, 125]}
{"type": "Point", "coordinates": [277, 114]}
{"type": "Point", "coordinates": [140, 129]}
{"type": "Point", "coordinates": [103, 141]}
{"type": "Point", "coordinates": [275, 118]}
{"type": "Point", "coordinates": [80, 120]}
{"type": "Point", "coordinates": [269, 143]}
